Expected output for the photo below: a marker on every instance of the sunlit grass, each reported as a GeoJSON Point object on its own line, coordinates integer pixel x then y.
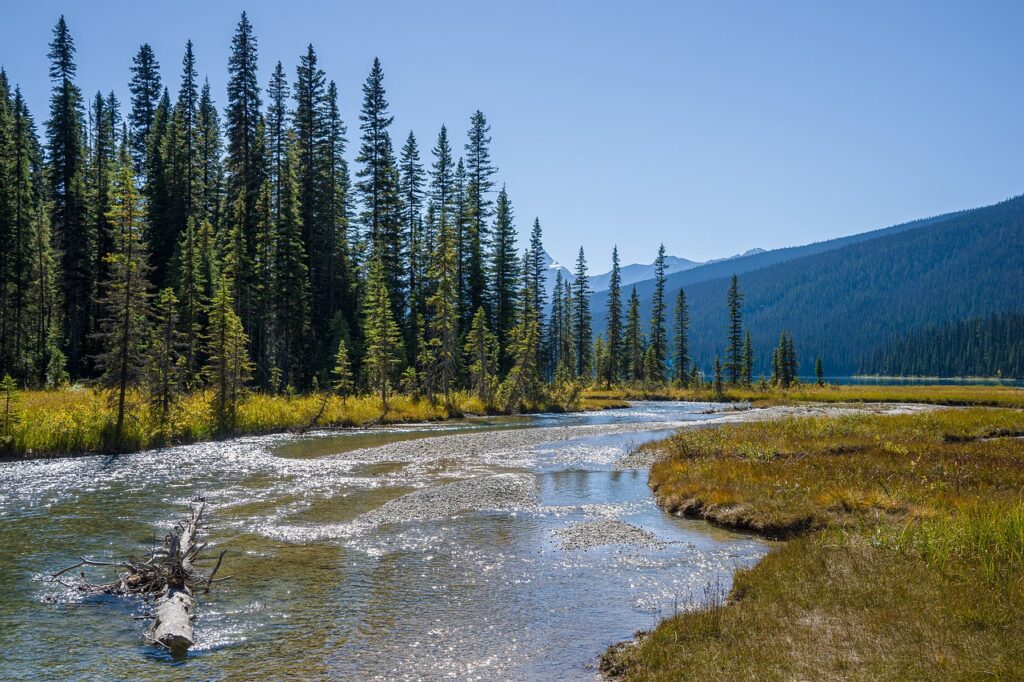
{"type": "Point", "coordinates": [907, 560]}
{"type": "Point", "coordinates": [80, 420]}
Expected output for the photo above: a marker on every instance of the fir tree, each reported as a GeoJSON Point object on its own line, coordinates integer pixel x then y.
{"type": "Point", "coordinates": [102, 168]}
{"type": "Point", "coordinates": [538, 297]}
{"type": "Point", "coordinates": [554, 354]}
{"type": "Point", "coordinates": [734, 353]}
{"type": "Point", "coordinates": [442, 346]}
{"type": "Point", "coordinates": [277, 132]}
{"type": "Point", "coordinates": [504, 268]}
{"type": "Point", "coordinates": [681, 355]}
{"type": "Point", "coordinates": [74, 239]}
{"type": "Point", "coordinates": [659, 337]}
{"type": "Point", "coordinates": [481, 351]}
{"type": "Point", "coordinates": [616, 349]}
{"type": "Point", "coordinates": [581, 322]}
{"type": "Point", "coordinates": [340, 278]}
{"type": "Point", "coordinates": [381, 333]}
{"type": "Point", "coordinates": [210, 167]}
{"type": "Point", "coordinates": [125, 304]}
{"type": "Point", "coordinates": [411, 179]}
{"type": "Point", "coordinates": [145, 88]}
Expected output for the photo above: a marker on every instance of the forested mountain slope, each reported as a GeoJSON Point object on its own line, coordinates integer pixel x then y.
{"type": "Point", "coordinates": [845, 301]}
{"type": "Point", "coordinates": [979, 347]}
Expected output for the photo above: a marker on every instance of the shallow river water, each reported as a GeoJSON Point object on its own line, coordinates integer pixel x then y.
{"type": "Point", "coordinates": [420, 552]}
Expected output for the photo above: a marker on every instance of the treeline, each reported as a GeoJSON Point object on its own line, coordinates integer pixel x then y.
{"type": "Point", "coordinates": [980, 347]}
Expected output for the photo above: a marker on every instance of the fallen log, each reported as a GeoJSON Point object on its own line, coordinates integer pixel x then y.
{"type": "Point", "coordinates": [168, 576]}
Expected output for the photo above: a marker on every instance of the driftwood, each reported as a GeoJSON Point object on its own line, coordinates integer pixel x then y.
{"type": "Point", "coordinates": [167, 575]}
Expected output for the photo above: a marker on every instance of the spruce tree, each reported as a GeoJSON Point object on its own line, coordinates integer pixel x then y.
{"type": "Point", "coordinates": [819, 371]}
{"type": "Point", "coordinates": [102, 168]}
{"type": "Point", "coordinates": [411, 179]}
{"type": "Point", "coordinates": [381, 333]}
{"type": "Point", "coordinates": [342, 372]}
{"type": "Point", "coordinates": [748, 360]}
{"type": "Point", "coordinates": [291, 293]}
{"type": "Point", "coordinates": [442, 344]}
{"type": "Point", "coordinates": [71, 232]}
{"type": "Point", "coordinates": [164, 362]}
{"type": "Point", "coordinates": [581, 322]}
{"type": "Point", "coordinates": [616, 349]}
{"type": "Point", "coordinates": [538, 281]}
{"type": "Point", "coordinates": [504, 270]}
{"type": "Point", "coordinates": [207, 205]}
{"type": "Point", "coordinates": [659, 337]}
{"type": "Point", "coordinates": [554, 354]}
{"type": "Point", "coordinates": [228, 367]}
{"type": "Point", "coordinates": [635, 343]}
{"type": "Point", "coordinates": [734, 353]}
{"type": "Point", "coordinates": [123, 328]}
{"type": "Point", "coordinates": [277, 132]}
{"type": "Point", "coordinates": [479, 184]}
{"type": "Point", "coordinates": [145, 89]}
{"type": "Point", "coordinates": [522, 383]}
{"type": "Point", "coordinates": [681, 355]}
{"type": "Point", "coordinates": [481, 352]}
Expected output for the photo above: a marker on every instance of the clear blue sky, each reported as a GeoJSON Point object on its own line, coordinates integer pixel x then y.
{"type": "Point", "coordinates": [712, 127]}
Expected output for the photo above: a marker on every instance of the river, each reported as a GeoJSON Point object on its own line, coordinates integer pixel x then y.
{"type": "Point", "coordinates": [445, 551]}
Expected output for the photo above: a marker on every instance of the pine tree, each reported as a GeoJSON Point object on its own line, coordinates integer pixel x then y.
{"type": "Point", "coordinates": [164, 362]}
{"type": "Point", "coordinates": [616, 349]}
{"type": "Point", "coordinates": [72, 234]}
{"type": "Point", "coordinates": [228, 367]}
{"type": "Point", "coordinates": [582, 323]}
{"type": "Point", "coordinates": [125, 304]}
{"type": "Point", "coordinates": [481, 357]}
{"type": "Point", "coordinates": [291, 293]}
{"type": "Point", "coordinates": [748, 360]}
{"type": "Point", "coordinates": [145, 88]}
{"type": "Point", "coordinates": [635, 343]}
{"type": "Point", "coordinates": [734, 353]}
{"type": "Point", "coordinates": [681, 356]}
{"type": "Point", "coordinates": [659, 337]}
{"type": "Point", "coordinates": [504, 268]}
{"type": "Point", "coordinates": [381, 332]}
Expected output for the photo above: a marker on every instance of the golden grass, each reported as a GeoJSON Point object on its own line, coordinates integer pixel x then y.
{"type": "Point", "coordinates": [80, 421]}
{"type": "Point", "coordinates": [962, 395]}
{"type": "Point", "coordinates": [917, 571]}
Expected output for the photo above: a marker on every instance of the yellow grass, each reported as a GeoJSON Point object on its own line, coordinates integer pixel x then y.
{"type": "Point", "coordinates": [915, 571]}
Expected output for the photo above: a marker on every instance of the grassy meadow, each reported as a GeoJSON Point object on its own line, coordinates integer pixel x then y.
{"type": "Point", "coordinates": [905, 558]}
{"type": "Point", "coordinates": [81, 421]}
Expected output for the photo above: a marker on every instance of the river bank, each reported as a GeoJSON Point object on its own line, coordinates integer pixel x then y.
{"type": "Point", "coordinates": [905, 556]}
{"type": "Point", "coordinates": [79, 421]}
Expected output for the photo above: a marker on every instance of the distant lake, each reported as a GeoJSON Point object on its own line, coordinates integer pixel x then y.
{"type": "Point", "coordinates": [906, 381]}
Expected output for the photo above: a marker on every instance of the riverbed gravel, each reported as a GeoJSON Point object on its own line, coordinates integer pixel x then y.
{"type": "Point", "coordinates": [602, 532]}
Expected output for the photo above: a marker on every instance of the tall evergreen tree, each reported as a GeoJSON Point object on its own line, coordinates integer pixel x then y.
{"type": "Point", "coordinates": [442, 345]}
{"type": "Point", "coordinates": [228, 366]}
{"type": "Point", "coordinates": [617, 358]}
{"type": "Point", "coordinates": [504, 270]}
{"type": "Point", "coordinates": [123, 327]}
{"type": "Point", "coordinates": [291, 293]}
{"type": "Point", "coordinates": [581, 322]}
{"type": "Point", "coordinates": [482, 357]}
{"type": "Point", "coordinates": [538, 297]}
{"type": "Point", "coordinates": [635, 343]}
{"type": "Point", "coordinates": [277, 132]}
{"type": "Point", "coordinates": [207, 206]}
{"type": "Point", "coordinates": [522, 384]}
{"type": "Point", "coordinates": [681, 355]}
{"type": "Point", "coordinates": [102, 168]}
{"type": "Point", "coordinates": [748, 360]}
{"type": "Point", "coordinates": [74, 239]}
{"type": "Point", "coordinates": [659, 337]}
{"type": "Point", "coordinates": [245, 162]}
{"type": "Point", "coordinates": [378, 180]}
{"type": "Point", "coordinates": [381, 332]}
{"type": "Point", "coordinates": [411, 179]}
{"type": "Point", "coordinates": [145, 88]}
{"type": "Point", "coordinates": [554, 354]}
{"type": "Point", "coordinates": [163, 357]}
{"type": "Point", "coordinates": [186, 173]}
{"type": "Point", "coordinates": [734, 354]}
{"type": "Point", "coordinates": [479, 184]}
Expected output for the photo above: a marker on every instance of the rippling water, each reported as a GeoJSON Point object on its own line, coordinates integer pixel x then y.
{"type": "Point", "coordinates": [333, 580]}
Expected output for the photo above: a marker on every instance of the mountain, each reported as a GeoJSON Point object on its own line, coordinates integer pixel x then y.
{"type": "Point", "coordinates": [845, 297]}
{"type": "Point", "coordinates": [636, 272]}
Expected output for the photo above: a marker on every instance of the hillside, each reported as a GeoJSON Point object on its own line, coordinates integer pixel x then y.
{"type": "Point", "coordinates": [843, 298]}
{"type": "Point", "coordinates": [980, 347]}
